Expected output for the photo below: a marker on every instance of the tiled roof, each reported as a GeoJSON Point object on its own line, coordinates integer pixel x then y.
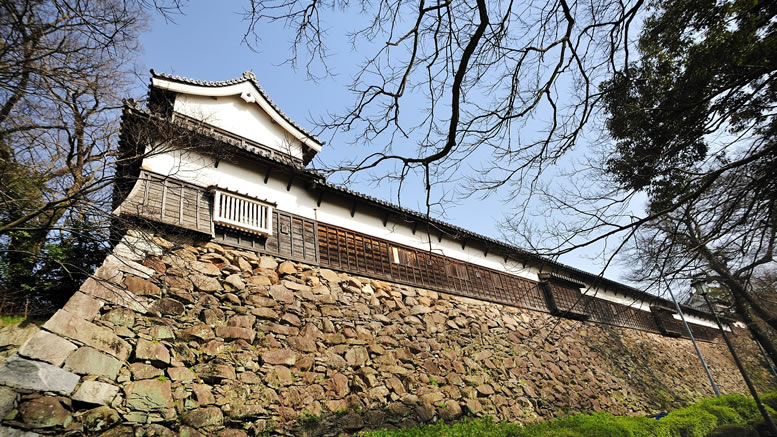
{"type": "Point", "coordinates": [247, 76]}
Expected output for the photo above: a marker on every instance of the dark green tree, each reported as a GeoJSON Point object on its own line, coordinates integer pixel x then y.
{"type": "Point", "coordinates": [694, 125]}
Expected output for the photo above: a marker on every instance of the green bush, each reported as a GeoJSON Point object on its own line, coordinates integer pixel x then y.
{"type": "Point", "coordinates": [770, 399]}
{"type": "Point", "coordinates": [733, 431]}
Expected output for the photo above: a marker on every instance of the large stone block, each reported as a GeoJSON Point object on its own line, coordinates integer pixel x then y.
{"type": "Point", "coordinates": [21, 373]}
{"type": "Point", "coordinates": [111, 293]}
{"type": "Point", "coordinates": [48, 347]}
{"type": "Point", "coordinates": [155, 352]}
{"type": "Point", "coordinates": [83, 305]}
{"type": "Point", "coordinates": [15, 432]}
{"type": "Point", "coordinates": [68, 325]}
{"type": "Point", "coordinates": [95, 392]}
{"type": "Point", "coordinates": [45, 412]}
{"type": "Point", "coordinates": [90, 361]}
{"type": "Point", "coordinates": [149, 395]}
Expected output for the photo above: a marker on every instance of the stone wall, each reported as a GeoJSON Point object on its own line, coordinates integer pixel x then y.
{"type": "Point", "coordinates": [173, 339]}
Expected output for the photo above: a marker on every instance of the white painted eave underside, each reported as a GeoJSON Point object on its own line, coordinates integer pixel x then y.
{"type": "Point", "coordinates": [245, 90]}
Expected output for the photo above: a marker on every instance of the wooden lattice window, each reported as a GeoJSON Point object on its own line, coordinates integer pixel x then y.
{"type": "Point", "coordinates": [242, 212]}
{"type": "Point", "coordinates": [403, 257]}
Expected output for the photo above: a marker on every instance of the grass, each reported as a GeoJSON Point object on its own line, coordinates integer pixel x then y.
{"type": "Point", "coordinates": [10, 320]}
{"type": "Point", "coordinates": [730, 413]}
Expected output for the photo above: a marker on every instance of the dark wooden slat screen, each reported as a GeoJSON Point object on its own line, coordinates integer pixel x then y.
{"type": "Point", "coordinates": [169, 201]}
{"type": "Point", "coordinates": [359, 253]}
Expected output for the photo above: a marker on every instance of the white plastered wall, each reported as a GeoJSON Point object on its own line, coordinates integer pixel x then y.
{"type": "Point", "coordinates": [234, 114]}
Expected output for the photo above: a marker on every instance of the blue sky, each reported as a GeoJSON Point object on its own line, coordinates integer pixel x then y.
{"type": "Point", "coordinates": [206, 43]}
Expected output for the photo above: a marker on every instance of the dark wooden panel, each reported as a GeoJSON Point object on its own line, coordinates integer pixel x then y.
{"type": "Point", "coordinates": [345, 250]}
{"type": "Point", "coordinates": [169, 201]}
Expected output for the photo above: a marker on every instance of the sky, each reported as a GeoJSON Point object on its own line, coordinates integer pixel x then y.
{"type": "Point", "coordinates": [205, 43]}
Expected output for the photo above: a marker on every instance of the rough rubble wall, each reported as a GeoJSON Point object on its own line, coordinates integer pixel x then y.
{"type": "Point", "coordinates": [180, 340]}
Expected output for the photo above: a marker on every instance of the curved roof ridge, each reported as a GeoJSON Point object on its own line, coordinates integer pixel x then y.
{"type": "Point", "coordinates": [248, 76]}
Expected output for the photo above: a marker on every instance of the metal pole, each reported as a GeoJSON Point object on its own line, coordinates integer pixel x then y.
{"type": "Point", "coordinates": [761, 408]}
{"type": "Point", "coordinates": [766, 358]}
{"type": "Point", "coordinates": [693, 340]}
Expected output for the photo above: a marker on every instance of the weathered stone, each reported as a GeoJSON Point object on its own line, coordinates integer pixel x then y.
{"type": "Point", "coordinates": [18, 372]}
{"type": "Point", "coordinates": [177, 283]}
{"type": "Point", "coordinates": [296, 286]}
{"type": "Point", "coordinates": [95, 392]}
{"type": "Point", "coordinates": [203, 394]}
{"type": "Point", "coordinates": [419, 309]}
{"type": "Point", "coordinates": [45, 346]}
{"type": "Point", "coordinates": [90, 361]}
{"type": "Point", "coordinates": [68, 325]}
{"type": "Point", "coordinates": [141, 287]}
{"type": "Point", "coordinates": [144, 371]}
{"type": "Point", "coordinates": [302, 344]}
{"type": "Point", "coordinates": [215, 372]}
{"type": "Point", "coordinates": [235, 333]}
{"type": "Point", "coordinates": [286, 268]}
{"type": "Point", "coordinates": [261, 301]}
{"type": "Point", "coordinates": [425, 412]}
{"type": "Point", "coordinates": [340, 385]}
{"type": "Point", "coordinates": [167, 306]}
{"type": "Point", "coordinates": [474, 406]}
{"type": "Point", "coordinates": [330, 276]}
{"type": "Point", "coordinates": [279, 376]}
{"type": "Point", "coordinates": [205, 268]}
{"type": "Point", "coordinates": [235, 281]}
{"type": "Point", "coordinates": [281, 294]}
{"type": "Point", "coordinates": [161, 332]}
{"type": "Point", "coordinates": [204, 417]}
{"type": "Point", "coordinates": [155, 430]}
{"type": "Point", "coordinates": [16, 432]}
{"type": "Point", "coordinates": [83, 305]}
{"type": "Point", "coordinates": [100, 418]}
{"type": "Point", "coordinates": [259, 281]}
{"type": "Point", "coordinates": [205, 283]}
{"type": "Point", "coordinates": [267, 262]}
{"type": "Point", "coordinates": [120, 317]}
{"type": "Point", "coordinates": [243, 321]}
{"type": "Point", "coordinates": [357, 356]}
{"type": "Point", "coordinates": [291, 319]}
{"type": "Point", "coordinates": [351, 422]}
{"type": "Point", "coordinates": [155, 352]}
{"type": "Point", "coordinates": [284, 330]}
{"type": "Point", "coordinates": [485, 390]}
{"type": "Point", "coordinates": [265, 313]}
{"type": "Point", "coordinates": [45, 412]}
{"type": "Point", "coordinates": [148, 395]}
{"type": "Point", "coordinates": [181, 374]}
{"type": "Point", "coordinates": [198, 333]}
{"type": "Point", "coordinates": [110, 293]}
{"type": "Point", "coordinates": [7, 401]}
{"type": "Point", "coordinates": [280, 356]}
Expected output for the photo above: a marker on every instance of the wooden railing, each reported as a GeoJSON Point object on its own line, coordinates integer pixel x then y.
{"type": "Point", "coordinates": [242, 213]}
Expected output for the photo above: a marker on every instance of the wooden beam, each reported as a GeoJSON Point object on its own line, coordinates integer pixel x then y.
{"type": "Point", "coordinates": [485, 252]}
{"type": "Point", "coordinates": [291, 181]}
{"type": "Point", "coordinates": [385, 219]}
{"type": "Point", "coordinates": [439, 237]}
{"type": "Point", "coordinates": [267, 174]}
{"type": "Point", "coordinates": [320, 198]}
{"type": "Point", "coordinates": [463, 243]}
{"type": "Point", "coordinates": [415, 226]}
{"type": "Point", "coordinates": [353, 208]}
